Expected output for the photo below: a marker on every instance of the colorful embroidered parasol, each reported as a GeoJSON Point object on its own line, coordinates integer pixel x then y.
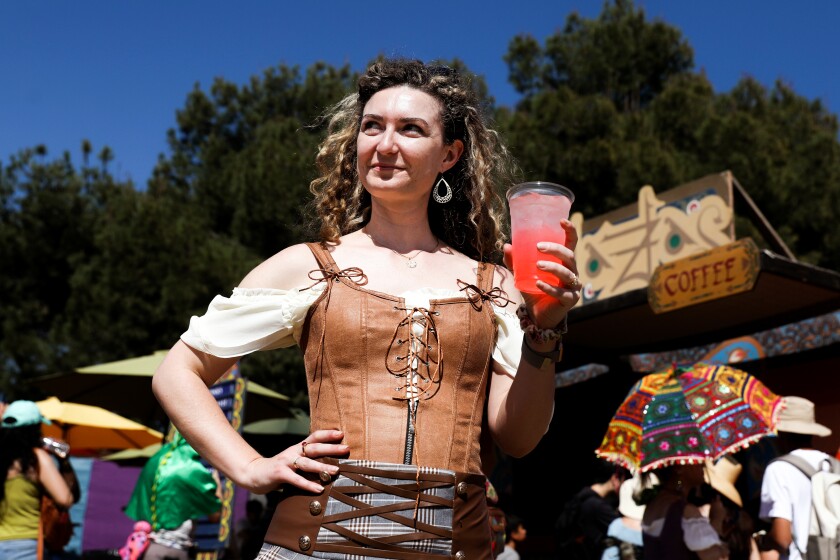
{"type": "Point", "coordinates": [684, 415]}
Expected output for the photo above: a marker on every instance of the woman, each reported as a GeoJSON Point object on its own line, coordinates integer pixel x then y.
{"type": "Point", "coordinates": [410, 336]}
{"type": "Point", "coordinates": [30, 473]}
{"type": "Point", "coordinates": [673, 527]}
{"type": "Point", "coordinates": [736, 524]}
{"type": "Point", "coordinates": [174, 490]}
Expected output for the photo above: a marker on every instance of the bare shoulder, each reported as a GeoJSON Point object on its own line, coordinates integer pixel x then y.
{"type": "Point", "coordinates": [503, 278]}
{"type": "Point", "coordinates": [286, 270]}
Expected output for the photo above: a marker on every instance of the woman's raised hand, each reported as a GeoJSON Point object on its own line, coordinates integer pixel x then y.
{"type": "Point", "coordinates": [268, 473]}
{"type": "Point", "coordinates": [549, 308]}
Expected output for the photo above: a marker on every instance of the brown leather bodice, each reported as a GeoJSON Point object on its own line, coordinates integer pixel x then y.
{"type": "Point", "coordinates": [355, 343]}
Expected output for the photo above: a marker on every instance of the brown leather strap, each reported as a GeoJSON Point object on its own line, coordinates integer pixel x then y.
{"type": "Point", "coordinates": [486, 275]}
{"type": "Point", "coordinates": [299, 516]}
{"type": "Point", "coordinates": [323, 256]}
{"type": "Point", "coordinates": [363, 552]}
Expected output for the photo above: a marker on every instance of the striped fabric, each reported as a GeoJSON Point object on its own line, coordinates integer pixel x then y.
{"type": "Point", "coordinates": [349, 498]}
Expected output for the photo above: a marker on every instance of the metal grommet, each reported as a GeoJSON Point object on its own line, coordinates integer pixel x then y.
{"type": "Point", "coordinates": [325, 477]}
{"type": "Point", "coordinates": [460, 555]}
{"type": "Point", "coordinates": [315, 507]}
{"type": "Point", "coordinates": [461, 489]}
{"type": "Point", "coordinates": [305, 543]}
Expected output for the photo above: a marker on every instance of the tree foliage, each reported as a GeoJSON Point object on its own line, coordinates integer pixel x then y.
{"type": "Point", "coordinates": [96, 270]}
{"type": "Point", "coordinates": [612, 104]}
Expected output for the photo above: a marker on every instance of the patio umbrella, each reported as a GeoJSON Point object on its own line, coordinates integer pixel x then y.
{"type": "Point", "coordinates": [94, 428]}
{"type": "Point", "coordinates": [688, 414]}
{"type": "Point", "coordinates": [298, 425]}
{"type": "Point", "coordinates": [125, 387]}
{"type": "Point", "coordinates": [133, 456]}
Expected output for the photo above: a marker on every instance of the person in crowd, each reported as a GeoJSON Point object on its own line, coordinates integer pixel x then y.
{"type": "Point", "coordinates": [785, 490]}
{"type": "Point", "coordinates": [173, 492]}
{"type": "Point", "coordinates": [624, 535]}
{"type": "Point", "coordinates": [497, 519]}
{"type": "Point", "coordinates": [515, 533]}
{"type": "Point", "coordinates": [30, 474]}
{"type": "Point", "coordinates": [137, 542]}
{"type": "Point", "coordinates": [413, 335]}
{"type": "Point", "coordinates": [736, 524]}
{"type": "Point", "coordinates": [582, 526]}
{"type": "Point", "coordinates": [673, 526]}
{"type": "Point", "coordinates": [248, 534]}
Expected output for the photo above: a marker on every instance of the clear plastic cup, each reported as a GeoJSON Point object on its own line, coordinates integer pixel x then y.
{"type": "Point", "coordinates": [536, 208]}
{"type": "Point", "coordinates": [59, 448]}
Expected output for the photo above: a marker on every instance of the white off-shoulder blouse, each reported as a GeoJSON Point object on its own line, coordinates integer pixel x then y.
{"type": "Point", "coordinates": [253, 319]}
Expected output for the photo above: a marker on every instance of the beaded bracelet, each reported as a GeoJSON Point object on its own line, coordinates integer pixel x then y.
{"type": "Point", "coordinates": [534, 332]}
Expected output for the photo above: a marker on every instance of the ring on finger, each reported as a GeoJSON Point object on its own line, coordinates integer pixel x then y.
{"type": "Point", "coordinates": [303, 448]}
{"type": "Point", "coordinates": [294, 463]}
{"type": "Point", "coordinates": [575, 284]}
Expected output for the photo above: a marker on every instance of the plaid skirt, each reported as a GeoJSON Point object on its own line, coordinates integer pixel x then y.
{"type": "Point", "coordinates": [383, 510]}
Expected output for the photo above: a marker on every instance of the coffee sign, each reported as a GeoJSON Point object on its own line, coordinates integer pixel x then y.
{"type": "Point", "coordinates": [712, 274]}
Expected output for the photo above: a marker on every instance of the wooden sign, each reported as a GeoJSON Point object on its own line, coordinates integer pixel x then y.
{"type": "Point", "coordinates": [619, 251]}
{"type": "Point", "coordinates": [716, 273]}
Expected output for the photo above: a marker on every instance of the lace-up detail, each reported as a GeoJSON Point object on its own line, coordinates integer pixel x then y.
{"type": "Point", "coordinates": [477, 296]}
{"type": "Point", "coordinates": [353, 273]}
{"type": "Point", "coordinates": [416, 359]}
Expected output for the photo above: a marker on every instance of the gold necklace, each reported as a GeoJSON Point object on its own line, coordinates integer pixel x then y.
{"type": "Point", "coordinates": [411, 262]}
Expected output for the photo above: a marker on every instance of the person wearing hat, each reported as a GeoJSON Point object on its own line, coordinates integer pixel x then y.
{"type": "Point", "coordinates": [733, 523]}
{"type": "Point", "coordinates": [674, 526]}
{"type": "Point", "coordinates": [785, 490]}
{"type": "Point", "coordinates": [30, 472]}
{"type": "Point", "coordinates": [624, 534]}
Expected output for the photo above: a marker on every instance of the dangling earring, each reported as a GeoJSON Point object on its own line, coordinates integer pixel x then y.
{"type": "Point", "coordinates": [447, 196]}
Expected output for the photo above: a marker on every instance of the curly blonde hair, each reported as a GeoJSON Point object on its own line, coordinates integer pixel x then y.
{"type": "Point", "coordinates": [473, 222]}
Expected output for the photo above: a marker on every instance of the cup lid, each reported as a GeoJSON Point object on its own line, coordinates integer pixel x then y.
{"type": "Point", "coordinates": [540, 187]}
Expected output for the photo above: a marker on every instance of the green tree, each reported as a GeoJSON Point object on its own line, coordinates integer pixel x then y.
{"type": "Point", "coordinates": [45, 229]}
{"type": "Point", "coordinates": [612, 104]}
{"type": "Point", "coordinates": [244, 155]}
{"type": "Point", "coordinates": [619, 55]}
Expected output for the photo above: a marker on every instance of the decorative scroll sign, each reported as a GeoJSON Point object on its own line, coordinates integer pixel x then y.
{"type": "Point", "coordinates": [620, 251]}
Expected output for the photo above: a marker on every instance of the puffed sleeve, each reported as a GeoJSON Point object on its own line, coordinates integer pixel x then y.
{"type": "Point", "coordinates": [699, 533]}
{"type": "Point", "coordinates": [509, 335]}
{"type": "Point", "coordinates": [250, 320]}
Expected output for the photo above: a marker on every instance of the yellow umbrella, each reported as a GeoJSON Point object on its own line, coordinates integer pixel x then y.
{"type": "Point", "coordinates": [91, 427]}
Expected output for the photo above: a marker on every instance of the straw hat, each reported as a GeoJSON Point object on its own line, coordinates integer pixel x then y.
{"type": "Point", "coordinates": [797, 416]}
{"type": "Point", "coordinates": [722, 476]}
{"type": "Point", "coordinates": [627, 506]}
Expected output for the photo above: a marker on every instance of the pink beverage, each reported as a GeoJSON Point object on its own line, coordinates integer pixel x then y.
{"type": "Point", "coordinates": [536, 209]}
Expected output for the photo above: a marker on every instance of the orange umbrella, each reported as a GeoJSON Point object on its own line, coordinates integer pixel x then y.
{"type": "Point", "coordinates": [94, 428]}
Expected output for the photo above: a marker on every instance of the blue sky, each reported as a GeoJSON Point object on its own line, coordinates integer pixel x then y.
{"type": "Point", "coordinates": [115, 71]}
